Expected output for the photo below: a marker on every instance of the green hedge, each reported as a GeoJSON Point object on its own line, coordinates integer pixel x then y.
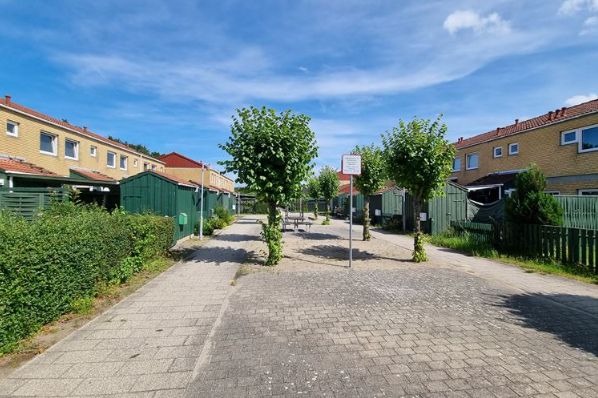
{"type": "Point", "coordinates": [63, 255]}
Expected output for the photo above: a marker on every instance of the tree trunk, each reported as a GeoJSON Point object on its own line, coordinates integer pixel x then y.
{"type": "Point", "coordinates": [366, 217]}
{"type": "Point", "coordinates": [272, 235]}
{"type": "Point", "coordinates": [328, 210]}
{"type": "Point", "coordinates": [419, 253]}
{"type": "Point", "coordinates": [316, 209]}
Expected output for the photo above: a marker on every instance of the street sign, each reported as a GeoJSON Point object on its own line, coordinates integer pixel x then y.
{"type": "Point", "coordinates": [351, 165]}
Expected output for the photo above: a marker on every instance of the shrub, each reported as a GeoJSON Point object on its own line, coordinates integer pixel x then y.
{"type": "Point", "coordinates": [529, 204]}
{"type": "Point", "coordinates": [208, 227]}
{"type": "Point", "coordinates": [49, 265]}
{"type": "Point", "coordinates": [224, 215]}
{"type": "Point", "coordinates": [218, 223]}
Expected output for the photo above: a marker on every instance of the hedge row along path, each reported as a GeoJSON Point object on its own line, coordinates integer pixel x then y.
{"type": "Point", "coordinates": [456, 326]}
{"type": "Point", "coordinates": [150, 342]}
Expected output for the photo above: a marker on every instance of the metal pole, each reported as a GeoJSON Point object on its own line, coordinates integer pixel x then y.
{"type": "Point", "coordinates": [201, 208]}
{"type": "Point", "coordinates": [350, 220]}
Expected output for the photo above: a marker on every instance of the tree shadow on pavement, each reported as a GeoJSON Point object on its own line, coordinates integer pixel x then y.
{"type": "Point", "coordinates": [219, 255]}
{"type": "Point", "coordinates": [573, 319]}
{"type": "Point", "coordinates": [319, 236]}
{"type": "Point", "coordinates": [342, 253]}
{"type": "Point", "coordinates": [237, 237]}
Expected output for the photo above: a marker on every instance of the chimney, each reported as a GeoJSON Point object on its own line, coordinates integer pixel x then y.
{"type": "Point", "coordinates": [516, 122]}
{"type": "Point", "coordinates": [497, 130]}
{"type": "Point", "coordinates": [85, 128]}
{"type": "Point", "coordinates": [550, 115]}
{"type": "Point", "coordinates": [563, 111]}
{"type": "Point", "coordinates": [460, 140]}
{"type": "Point", "coordinates": [557, 113]}
{"type": "Point", "coordinates": [7, 99]}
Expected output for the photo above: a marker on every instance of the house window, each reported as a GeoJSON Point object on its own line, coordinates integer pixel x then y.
{"type": "Point", "coordinates": [135, 163]}
{"type": "Point", "coordinates": [589, 139]}
{"type": "Point", "coordinates": [12, 128]}
{"type": "Point", "coordinates": [513, 148]}
{"type": "Point", "coordinates": [473, 161]}
{"type": "Point", "coordinates": [93, 151]}
{"type": "Point", "coordinates": [457, 164]}
{"type": "Point", "coordinates": [111, 160]}
{"type": "Point", "coordinates": [146, 166]}
{"type": "Point", "coordinates": [497, 152]}
{"type": "Point", "coordinates": [123, 162]}
{"type": "Point", "coordinates": [588, 192]}
{"type": "Point", "coordinates": [552, 193]}
{"type": "Point", "coordinates": [568, 137]}
{"type": "Point", "coordinates": [47, 143]}
{"type": "Point", "coordinates": [153, 167]}
{"type": "Point", "coordinates": [71, 149]}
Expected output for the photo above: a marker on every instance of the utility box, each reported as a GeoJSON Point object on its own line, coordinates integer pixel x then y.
{"type": "Point", "coordinates": [183, 219]}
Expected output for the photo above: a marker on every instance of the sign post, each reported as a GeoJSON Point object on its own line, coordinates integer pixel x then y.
{"type": "Point", "coordinates": [351, 165]}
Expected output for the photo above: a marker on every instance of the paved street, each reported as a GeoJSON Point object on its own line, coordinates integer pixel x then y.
{"type": "Point", "coordinates": [456, 326]}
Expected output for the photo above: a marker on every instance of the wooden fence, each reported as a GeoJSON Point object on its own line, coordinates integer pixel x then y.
{"type": "Point", "coordinates": [579, 211]}
{"type": "Point", "coordinates": [577, 246]}
{"type": "Point", "coordinates": [27, 201]}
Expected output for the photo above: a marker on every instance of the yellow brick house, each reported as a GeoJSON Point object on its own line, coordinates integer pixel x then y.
{"type": "Point", "coordinates": [563, 143]}
{"type": "Point", "coordinates": [37, 147]}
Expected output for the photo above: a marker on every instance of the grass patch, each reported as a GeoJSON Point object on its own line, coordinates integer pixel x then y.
{"type": "Point", "coordinates": [467, 244]}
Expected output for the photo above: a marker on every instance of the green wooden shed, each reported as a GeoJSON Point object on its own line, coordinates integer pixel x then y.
{"type": "Point", "coordinates": [162, 194]}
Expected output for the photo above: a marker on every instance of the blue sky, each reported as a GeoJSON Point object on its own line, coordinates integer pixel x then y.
{"type": "Point", "coordinates": [169, 74]}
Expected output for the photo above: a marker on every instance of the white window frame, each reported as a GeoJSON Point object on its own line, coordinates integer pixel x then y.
{"type": "Point", "coordinates": [54, 143]}
{"type": "Point", "coordinates": [564, 133]}
{"type": "Point", "coordinates": [454, 161]}
{"type": "Point", "coordinates": [93, 151]}
{"type": "Point", "coordinates": [494, 155]}
{"type": "Point", "coordinates": [16, 129]}
{"type": "Point", "coordinates": [590, 190]}
{"type": "Point", "coordinates": [120, 160]}
{"type": "Point", "coordinates": [580, 139]}
{"type": "Point", "coordinates": [467, 161]}
{"type": "Point", "coordinates": [76, 157]}
{"type": "Point", "coordinates": [114, 157]}
{"type": "Point", "coordinates": [511, 152]}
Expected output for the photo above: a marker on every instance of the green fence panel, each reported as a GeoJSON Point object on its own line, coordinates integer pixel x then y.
{"type": "Point", "coordinates": [27, 201]}
{"type": "Point", "coordinates": [579, 211]}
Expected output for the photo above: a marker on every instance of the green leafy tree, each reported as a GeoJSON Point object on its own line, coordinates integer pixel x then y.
{"type": "Point", "coordinates": [272, 154]}
{"type": "Point", "coordinates": [372, 178]}
{"type": "Point", "coordinates": [419, 159]}
{"type": "Point", "coordinates": [313, 191]}
{"type": "Point", "coordinates": [329, 184]}
{"type": "Point", "coordinates": [529, 204]}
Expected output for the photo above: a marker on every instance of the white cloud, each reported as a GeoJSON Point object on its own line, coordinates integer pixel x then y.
{"type": "Point", "coordinates": [569, 7]}
{"type": "Point", "coordinates": [467, 19]}
{"type": "Point", "coordinates": [590, 26]}
{"type": "Point", "coordinates": [578, 99]}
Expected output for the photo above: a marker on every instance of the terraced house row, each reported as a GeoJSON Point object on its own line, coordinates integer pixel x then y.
{"type": "Point", "coordinates": [41, 151]}
{"type": "Point", "coordinates": [562, 142]}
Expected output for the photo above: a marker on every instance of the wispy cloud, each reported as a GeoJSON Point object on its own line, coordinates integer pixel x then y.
{"type": "Point", "coordinates": [467, 19]}
{"type": "Point", "coordinates": [578, 99]}
{"type": "Point", "coordinates": [569, 7]}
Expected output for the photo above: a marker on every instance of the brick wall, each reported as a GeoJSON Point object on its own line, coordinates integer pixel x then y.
{"type": "Point", "coordinates": [541, 146]}
{"type": "Point", "coordinates": [27, 146]}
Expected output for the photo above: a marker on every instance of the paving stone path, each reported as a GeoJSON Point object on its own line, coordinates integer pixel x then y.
{"type": "Point", "coordinates": [398, 329]}
{"type": "Point", "coordinates": [455, 327]}
{"type": "Point", "coordinates": [148, 344]}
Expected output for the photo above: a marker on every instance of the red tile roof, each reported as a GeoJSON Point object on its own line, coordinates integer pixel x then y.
{"type": "Point", "coordinates": [345, 190]}
{"type": "Point", "coordinates": [552, 117]}
{"type": "Point", "coordinates": [173, 178]}
{"type": "Point", "coordinates": [93, 175]}
{"type": "Point", "coordinates": [343, 177]}
{"type": "Point", "coordinates": [175, 159]}
{"type": "Point", "coordinates": [18, 166]}
{"type": "Point", "coordinates": [7, 102]}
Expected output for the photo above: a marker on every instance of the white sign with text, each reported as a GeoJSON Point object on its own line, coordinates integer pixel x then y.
{"type": "Point", "coordinates": [351, 165]}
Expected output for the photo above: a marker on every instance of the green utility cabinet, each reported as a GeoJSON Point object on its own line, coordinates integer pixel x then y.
{"type": "Point", "coordinates": [161, 194]}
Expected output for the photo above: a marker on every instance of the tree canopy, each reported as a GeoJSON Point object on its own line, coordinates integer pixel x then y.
{"type": "Point", "coordinates": [272, 154]}
{"type": "Point", "coordinates": [419, 158]}
{"type": "Point", "coordinates": [372, 178]}
{"type": "Point", "coordinates": [329, 184]}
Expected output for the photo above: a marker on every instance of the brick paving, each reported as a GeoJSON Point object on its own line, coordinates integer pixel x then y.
{"type": "Point", "coordinates": [148, 344]}
{"type": "Point", "coordinates": [397, 329]}
{"type": "Point", "coordinates": [455, 327]}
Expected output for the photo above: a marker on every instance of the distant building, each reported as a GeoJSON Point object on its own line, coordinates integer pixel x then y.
{"type": "Point", "coordinates": [190, 170]}
{"type": "Point", "coordinates": [563, 143]}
